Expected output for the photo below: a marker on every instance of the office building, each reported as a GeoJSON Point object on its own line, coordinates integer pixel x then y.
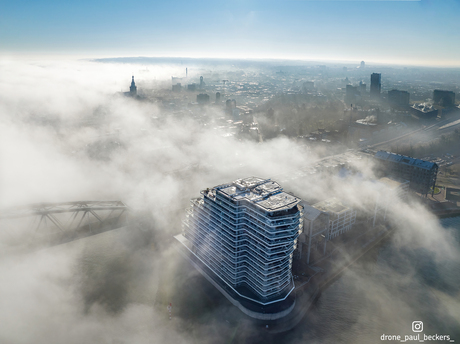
{"type": "Point", "coordinates": [312, 241]}
{"type": "Point", "coordinates": [341, 217]}
{"type": "Point", "coordinates": [177, 87]}
{"type": "Point", "coordinates": [202, 98]}
{"type": "Point", "coordinates": [242, 236]}
{"type": "Point", "coordinates": [362, 88]}
{"type": "Point", "coordinates": [376, 85]}
{"type": "Point", "coordinates": [420, 174]}
{"type": "Point", "coordinates": [444, 98]}
{"type": "Point", "coordinates": [323, 222]}
{"type": "Point", "coordinates": [398, 98]}
{"type": "Point", "coordinates": [352, 94]}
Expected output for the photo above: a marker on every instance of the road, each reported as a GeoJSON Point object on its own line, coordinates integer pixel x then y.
{"type": "Point", "coordinates": [423, 135]}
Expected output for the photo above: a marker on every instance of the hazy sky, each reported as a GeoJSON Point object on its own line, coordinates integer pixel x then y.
{"type": "Point", "coordinates": [406, 32]}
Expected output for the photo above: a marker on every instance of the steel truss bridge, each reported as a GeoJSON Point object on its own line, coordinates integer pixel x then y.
{"type": "Point", "coordinates": [56, 223]}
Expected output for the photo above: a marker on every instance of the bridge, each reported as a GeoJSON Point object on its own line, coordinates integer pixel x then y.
{"type": "Point", "coordinates": [56, 223]}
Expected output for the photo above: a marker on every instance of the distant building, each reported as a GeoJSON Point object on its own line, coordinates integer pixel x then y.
{"type": "Point", "coordinates": [202, 84]}
{"type": "Point", "coordinates": [376, 85]}
{"type": "Point", "coordinates": [242, 236]}
{"type": "Point", "coordinates": [217, 97]}
{"type": "Point", "coordinates": [202, 98]}
{"type": "Point", "coordinates": [352, 94]}
{"type": "Point", "coordinates": [362, 65]}
{"type": "Point", "coordinates": [191, 87]}
{"type": "Point", "coordinates": [133, 88]}
{"type": "Point", "coordinates": [420, 174]}
{"type": "Point", "coordinates": [423, 111]}
{"type": "Point", "coordinates": [177, 87]}
{"type": "Point", "coordinates": [230, 106]}
{"type": "Point", "coordinates": [362, 88]}
{"type": "Point", "coordinates": [444, 98]}
{"type": "Point", "coordinates": [398, 98]}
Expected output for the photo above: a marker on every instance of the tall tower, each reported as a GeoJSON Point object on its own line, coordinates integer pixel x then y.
{"type": "Point", "coordinates": [245, 233]}
{"type": "Point", "coordinates": [376, 85]}
{"type": "Point", "coordinates": [133, 88]}
{"type": "Point", "coordinates": [201, 82]}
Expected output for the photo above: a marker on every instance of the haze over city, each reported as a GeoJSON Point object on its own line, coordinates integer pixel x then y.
{"type": "Point", "coordinates": [238, 172]}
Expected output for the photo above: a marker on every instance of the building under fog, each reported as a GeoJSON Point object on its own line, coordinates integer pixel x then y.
{"type": "Point", "coordinates": [242, 236]}
{"type": "Point", "coordinates": [398, 98]}
{"type": "Point", "coordinates": [421, 174]}
{"type": "Point", "coordinates": [133, 88]}
{"type": "Point", "coordinates": [323, 222]}
{"type": "Point", "coordinates": [444, 98]}
{"type": "Point", "coordinates": [202, 98]}
{"type": "Point", "coordinates": [391, 189]}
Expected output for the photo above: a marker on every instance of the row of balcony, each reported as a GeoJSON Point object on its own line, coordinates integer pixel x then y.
{"type": "Point", "coordinates": [263, 234]}
{"type": "Point", "coordinates": [261, 284]}
{"type": "Point", "coordinates": [214, 244]}
{"type": "Point", "coordinates": [242, 219]}
{"type": "Point", "coordinates": [213, 227]}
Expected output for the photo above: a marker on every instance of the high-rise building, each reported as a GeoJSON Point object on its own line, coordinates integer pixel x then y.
{"type": "Point", "coordinates": [217, 97]}
{"type": "Point", "coordinates": [398, 98]}
{"type": "Point", "coordinates": [376, 85]}
{"type": "Point", "coordinates": [202, 98]}
{"type": "Point", "coordinates": [362, 65]}
{"type": "Point", "coordinates": [352, 94]}
{"type": "Point", "coordinates": [243, 236]}
{"type": "Point", "coordinates": [133, 88]}
{"type": "Point", "coordinates": [444, 98]}
{"type": "Point", "coordinates": [362, 88]}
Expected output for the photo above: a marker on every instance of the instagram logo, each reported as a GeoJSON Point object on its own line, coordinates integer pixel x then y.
{"type": "Point", "coordinates": [417, 326]}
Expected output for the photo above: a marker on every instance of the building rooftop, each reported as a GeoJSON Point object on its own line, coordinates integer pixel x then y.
{"type": "Point", "coordinates": [264, 193]}
{"type": "Point", "coordinates": [331, 205]}
{"type": "Point", "coordinates": [388, 156]}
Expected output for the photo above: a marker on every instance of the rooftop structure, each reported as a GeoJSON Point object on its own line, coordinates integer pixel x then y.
{"type": "Point", "coordinates": [423, 111]}
{"type": "Point", "coordinates": [421, 174]}
{"type": "Point", "coordinates": [245, 233]}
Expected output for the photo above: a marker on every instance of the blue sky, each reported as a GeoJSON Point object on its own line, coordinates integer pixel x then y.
{"type": "Point", "coordinates": [404, 32]}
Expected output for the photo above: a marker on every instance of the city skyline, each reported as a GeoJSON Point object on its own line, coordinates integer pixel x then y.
{"type": "Point", "coordinates": [379, 32]}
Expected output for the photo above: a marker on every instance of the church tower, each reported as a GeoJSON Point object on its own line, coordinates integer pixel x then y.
{"type": "Point", "coordinates": [133, 88]}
